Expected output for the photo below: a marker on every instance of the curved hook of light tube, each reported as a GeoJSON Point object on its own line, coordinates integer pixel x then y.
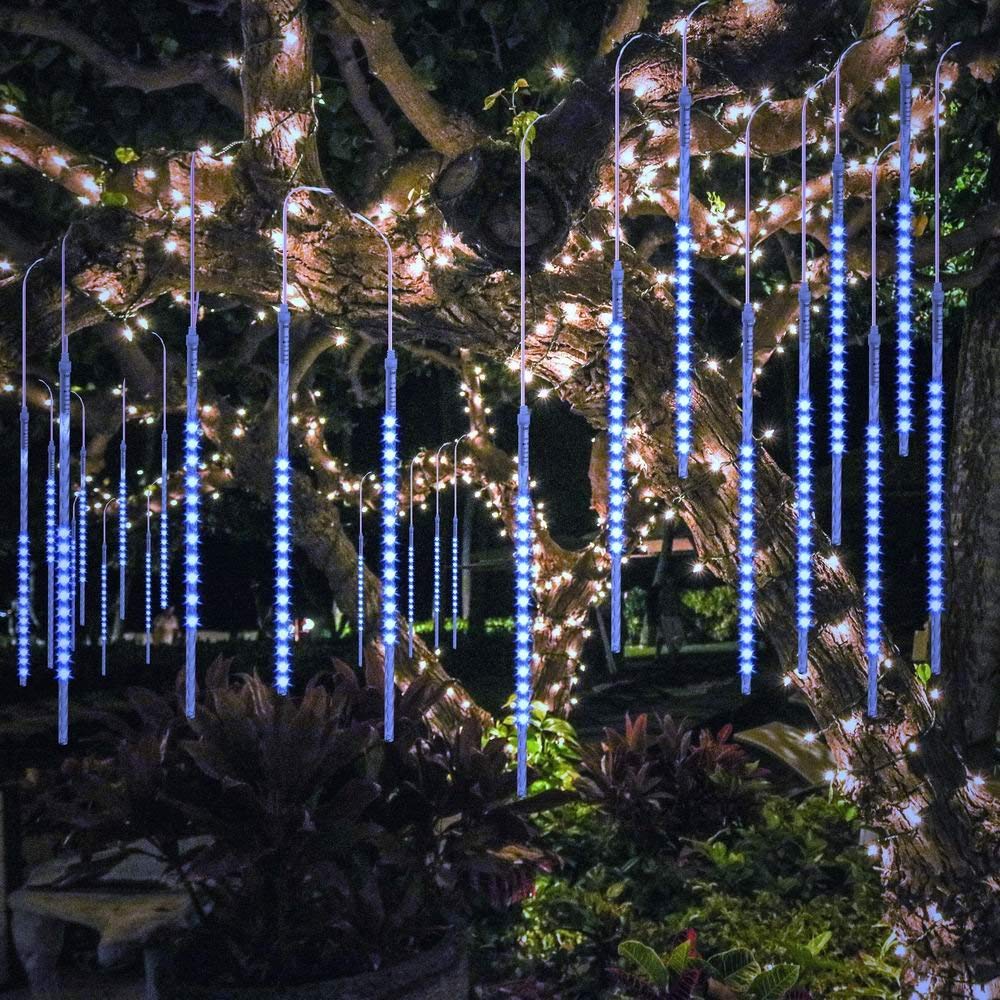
{"type": "Point", "coordinates": [104, 587]}
{"type": "Point", "coordinates": [436, 601]}
{"type": "Point", "coordinates": [836, 94]}
{"type": "Point", "coordinates": [410, 569]}
{"type": "Point", "coordinates": [23, 540]}
{"type": "Point", "coordinates": [745, 512]}
{"type": "Point", "coordinates": [81, 544]}
{"type": "Point", "coordinates": [361, 569]}
{"type": "Point", "coordinates": [283, 617]}
{"type": "Point", "coordinates": [935, 408]}
{"type": "Point", "coordinates": [454, 542]}
{"type": "Point", "coordinates": [389, 466]}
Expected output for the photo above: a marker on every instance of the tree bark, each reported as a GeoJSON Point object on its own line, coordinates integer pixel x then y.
{"type": "Point", "coordinates": [972, 622]}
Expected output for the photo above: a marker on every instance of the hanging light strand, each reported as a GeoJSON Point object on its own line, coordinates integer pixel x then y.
{"type": "Point", "coordinates": [283, 618]}
{"type": "Point", "coordinates": [745, 515]}
{"type": "Point", "coordinates": [935, 409]}
{"type": "Point", "coordinates": [50, 526]}
{"type": "Point", "coordinates": [455, 570]}
{"type": "Point", "coordinates": [904, 268]}
{"type": "Point", "coordinates": [523, 527]}
{"type": "Point", "coordinates": [104, 587]}
{"type": "Point", "coordinates": [410, 570]}
{"type": "Point", "coordinates": [148, 575]}
{"type": "Point", "coordinates": [803, 466]}
{"type": "Point", "coordinates": [838, 314]}
{"type": "Point", "coordinates": [617, 415]}
{"type": "Point", "coordinates": [389, 466]}
{"type": "Point", "coordinates": [23, 539]}
{"type": "Point", "coordinates": [164, 484]}
{"type": "Point", "coordinates": [122, 513]}
{"type": "Point", "coordinates": [361, 568]}
{"type": "Point", "coordinates": [436, 599]}
{"type": "Point", "coordinates": [192, 478]}
{"type": "Point", "coordinates": [72, 571]}
{"type": "Point", "coordinates": [873, 472]}
{"type": "Point", "coordinates": [64, 558]}
{"type": "Point", "coordinates": [84, 511]}
{"type": "Point", "coordinates": [684, 285]}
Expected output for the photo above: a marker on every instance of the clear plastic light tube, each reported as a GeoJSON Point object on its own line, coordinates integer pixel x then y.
{"type": "Point", "coordinates": [745, 498]}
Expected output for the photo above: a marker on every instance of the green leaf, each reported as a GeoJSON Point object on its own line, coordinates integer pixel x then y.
{"type": "Point", "coordinates": [923, 672]}
{"type": "Point", "coordinates": [772, 983]}
{"type": "Point", "coordinates": [115, 199]}
{"type": "Point", "coordinates": [491, 99]}
{"type": "Point", "coordinates": [523, 126]}
{"type": "Point", "coordinates": [679, 957]}
{"type": "Point", "coordinates": [519, 84]}
{"type": "Point", "coordinates": [648, 961]}
{"type": "Point", "coordinates": [819, 942]}
{"type": "Point", "coordinates": [126, 154]}
{"type": "Point", "coordinates": [727, 963]}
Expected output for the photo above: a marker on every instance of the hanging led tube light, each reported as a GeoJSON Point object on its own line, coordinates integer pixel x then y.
{"type": "Point", "coordinates": [935, 408]}
{"type": "Point", "coordinates": [904, 268]}
{"type": "Point", "coordinates": [873, 474]}
{"type": "Point", "coordinates": [390, 505]}
{"type": "Point", "coordinates": [104, 588]}
{"type": "Point", "coordinates": [148, 579]}
{"type": "Point", "coordinates": [283, 619]}
{"type": "Point", "coordinates": [192, 479]}
{"type": "Point", "coordinates": [23, 540]}
{"type": "Point", "coordinates": [838, 314]}
{"type": "Point", "coordinates": [523, 515]}
{"type": "Point", "coordinates": [361, 569]}
{"type": "Point", "coordinates": [164, 484]}
{"type": "Point", "coordinates": [436, 598]}
{"type": "Point", "coordinates": [745, 516]}
{"type": "Point", "coordinates": [410, 570]}
{"type": "Point", "coordinates": [64, 557]}
{"type": "Point", "coordinates": [455, 584]}
{"type": "Point", "coordinates": [81, 535]}
{"type": "Point", "coordinates": [617, 415]}
{"type": "Point", "coordinates": [684, 284]}
{"type": "Point", "coordinates": [803, 465]}
{"type": "Point", "coordinates": [122, 514]}
{"type": "Point", "coordinates": [51, 522]}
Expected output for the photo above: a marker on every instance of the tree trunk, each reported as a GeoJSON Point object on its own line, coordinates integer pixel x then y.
{"type": "Point", "coordinates": [972, 622]}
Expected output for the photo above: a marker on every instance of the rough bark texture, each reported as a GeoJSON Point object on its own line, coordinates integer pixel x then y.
{"type": "Point", "coordinates": [936, 829]}
{"type": "Point", "coordinates": [972, 624]}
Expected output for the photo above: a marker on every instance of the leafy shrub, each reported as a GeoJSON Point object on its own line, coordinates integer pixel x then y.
{"type": "Point", "coordinates": [553, 749]}
{"type": "Point", "coordinates": [682, 974]}
{"type": "Point", "coordinates": [323, 851]}
{"type": "Point", "coordinates": [661, 781]}
{"type": "Point", "coordinates": [714, 611]}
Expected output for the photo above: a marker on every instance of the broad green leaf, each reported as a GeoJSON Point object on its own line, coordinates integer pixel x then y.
{"type": "Point", "coordinates": [679, 957]}
{"type": "Point", "coordinates": [115, 199]}
{"type": "Point", "coordinates": [491, 99]}
{"type": "Point", "coordinates": [728, 963]}
{"type": "Point", "coordinates": [772, 983]}
{"type": "Point", "coordinates": [126, 154]}
{"type": "Point", "coordinates": [819, 942]}
{"type": "Point", "coordinates": [647, 960]}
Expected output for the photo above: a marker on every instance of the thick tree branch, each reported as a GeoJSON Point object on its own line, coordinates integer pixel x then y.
{"type": "Point", "coordinates": [198, 70]}
{"type": "Point", "coordinates": [449, 134]}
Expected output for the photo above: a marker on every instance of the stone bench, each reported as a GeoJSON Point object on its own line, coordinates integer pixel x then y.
{"type": "Point", "coordinates": [132, 908]}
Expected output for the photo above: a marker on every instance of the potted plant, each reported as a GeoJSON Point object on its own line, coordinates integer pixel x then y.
{"type": "Point", "coordinates": [327, 863]}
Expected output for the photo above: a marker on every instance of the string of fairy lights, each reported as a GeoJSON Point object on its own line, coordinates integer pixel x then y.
{"type": "Point", "coordinates": [66, 532]}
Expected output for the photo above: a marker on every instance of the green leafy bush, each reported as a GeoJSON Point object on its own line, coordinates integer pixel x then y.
{"type": "Point", "coordinates": [553, 750]}
{"type": "Point", "coordinates": [714, 611]}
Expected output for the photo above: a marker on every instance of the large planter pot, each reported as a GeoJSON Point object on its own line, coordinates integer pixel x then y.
{"type": "Point", "coordinates": [442, 973]}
